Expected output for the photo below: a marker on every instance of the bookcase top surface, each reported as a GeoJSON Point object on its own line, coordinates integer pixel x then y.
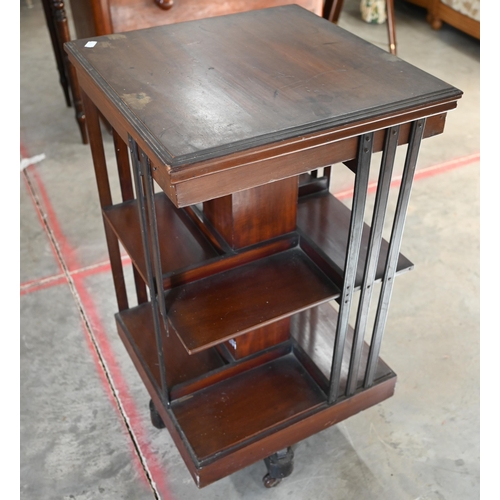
{"type": "Point", "coordinates": [207, 88]}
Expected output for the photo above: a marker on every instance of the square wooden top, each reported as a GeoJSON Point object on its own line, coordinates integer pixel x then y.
{"type": "Point", "coordinates": [203, 89]}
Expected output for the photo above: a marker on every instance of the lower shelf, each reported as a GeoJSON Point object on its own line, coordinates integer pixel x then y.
{"type": "Point", "coordinates": [225, 415]}
{"type": "Point", "coordinates": [136, 329]}
{"type": "Point", "coordinates": [228, 426]}
{"type": "Point", "coordinates": [243, 412]}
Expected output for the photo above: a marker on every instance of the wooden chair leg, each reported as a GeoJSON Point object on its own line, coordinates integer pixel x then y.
{"type": "Point", "coordinates": [391, 26]}
{"type": "Point", "coordinates": [56, 47]}
{"type": "Point", "coordinates": [332, 10]}
{"type": "Point", "coordinates": [60, 24]}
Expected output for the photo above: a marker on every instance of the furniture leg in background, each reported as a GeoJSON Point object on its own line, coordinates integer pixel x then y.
{"type": "Point", "coordinates": [333, 8]}
{"type": "Point", "coordinates": [57, 23]}
{"type": "Point", "coordinates": [58, 52]}
{"type": "Point", "coordinates": [464, 16]}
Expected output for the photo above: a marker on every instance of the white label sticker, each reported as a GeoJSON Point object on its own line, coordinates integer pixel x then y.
{"type": "Point", "coordinates": [233, 343]}
{"type": "Point", "coordinates": [90, 44]}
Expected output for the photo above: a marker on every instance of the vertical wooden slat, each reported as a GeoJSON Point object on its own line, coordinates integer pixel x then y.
{"type": "Point", "coordinates": [372, 257]}
{"type": "Point", "coordinates": [123, 165]}
{"type": "Point", "coordinates": [327, 172]}
{"type": "Point", "coordinates": [127, 190]}
{"type": "Point", "coordinates": [105, 199]}
{"type": "Point", "coordinates": [394, 247]}
{"type": "Point", "coordinates": [365, 147]}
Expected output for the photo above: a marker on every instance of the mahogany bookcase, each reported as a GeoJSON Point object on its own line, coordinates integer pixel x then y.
{"type": "Point", "coordinates": [246, 267]}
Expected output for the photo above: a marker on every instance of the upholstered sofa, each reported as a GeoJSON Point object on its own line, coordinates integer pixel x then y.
{"type": "Point", "coordinates": [461, 14]}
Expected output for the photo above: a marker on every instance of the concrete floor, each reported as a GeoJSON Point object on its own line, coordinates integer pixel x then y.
{"type": "Point", "coordinates": [85, 430]}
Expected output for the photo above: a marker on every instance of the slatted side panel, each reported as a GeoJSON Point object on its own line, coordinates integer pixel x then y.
{"type": "Point", "coordinates": [366, 302]}
{"type": "Point", "coordinates": [147, 218]}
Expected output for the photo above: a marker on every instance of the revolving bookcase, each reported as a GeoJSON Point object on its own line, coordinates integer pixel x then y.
{"type": "Point", "coordinates": [246, 267]}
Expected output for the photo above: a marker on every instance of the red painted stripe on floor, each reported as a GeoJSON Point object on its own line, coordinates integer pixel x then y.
{"type": "Point", "coordinates": [157, 472]}
{"type": "Point", "coordinates": [68, 253]}
{"type": "Point", "coordinates": [41, 219]}
{"type": "Point", "coordinates": [42, 284]}
{"type": "Point", "coordinates": [69, 256]}
{"type": "Point", "coordinates": [57, 279]}
{"type": "Point", "coordinates": [423, 173]}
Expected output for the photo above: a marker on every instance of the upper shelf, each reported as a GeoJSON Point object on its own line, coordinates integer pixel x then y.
{"type": "Point", "coordinates": [181, 242]}
{"type": "Point", "coordinates": [324, 220]}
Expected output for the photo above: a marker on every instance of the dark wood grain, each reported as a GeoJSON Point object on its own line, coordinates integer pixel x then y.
{"type": "Point", "coordinates": [254, 215]}
{"type": "Point", "coordinates": [229, 112]}
{"type": "Point", "coordinates": [314, 330]}
{"type": "Point", "coordinates": [324, 221]}
{"type": "Point", "coordinates": [59, 30]}
{"type": "Point", "coordinates": [220, 417]}
{"type": "Point", "coordinates": [137, 329]}
{"type": "Point", "coordinates": [260, 339]}
{"type": "Point", "coordinates": [57, 48]}
{"type": "Point", "coordinates": [186, 254]}
{"type": "Point", "coordinates": [182, 245]}
{"type": "Point", "coordinates": [246, 86]}
{"type": "Point", "coordinates": [233, 368]}
{"type": "Point", "coordinates": [105, 200]}
{"type": "Point", "coordinates": [295, 431]}
{"type": "Point", "coordinates": [130, 15]}
{"type": "Point", "coordinates": [224, 306]}
{"type": "Point", "coordinates": [91, 18]}
{"type": "Point", "coordinates": [127, 190]}
{"type": "Point", "coordinates": [257, 166]}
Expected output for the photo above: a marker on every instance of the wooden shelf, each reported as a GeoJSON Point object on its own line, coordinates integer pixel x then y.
{"type": "Point", "coordinates": [314, 333]}
{"type": "Point", "coordinates": [219, 412]}
{"type": "Point", "coordinates": [323, 221]}
{"type": "Point", "coordinates": [227, 414]}
{"type": "Point", "coordinates": [218, 308]}
{"type": "Point", "coordinates": [181, 243]}
{"type": "Point", "coordinates": [136, 329]}
{"type": "Point", "coordinates": [244, 408]}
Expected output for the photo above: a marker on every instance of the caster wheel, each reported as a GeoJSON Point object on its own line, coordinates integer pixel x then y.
{"type": "Point", "coordinates": [156, 420]}
{"type": "Point", "coordinates": [271, 482]}
{"type": "Point", "coordinates": [279, 465]}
